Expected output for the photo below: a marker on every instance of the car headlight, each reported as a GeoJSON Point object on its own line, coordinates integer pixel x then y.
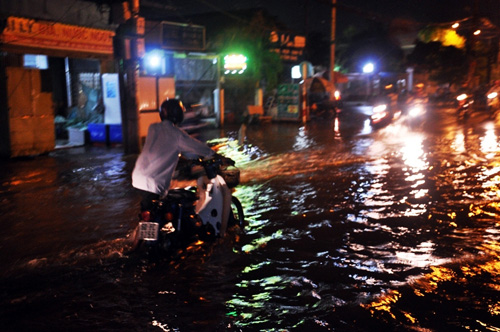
{"type": "Point", "coordinates": [492, 95]}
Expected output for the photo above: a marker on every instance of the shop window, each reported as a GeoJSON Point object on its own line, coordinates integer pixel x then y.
{"type": "Point", "coordinates": [92, 80]}
{"type": "Point", "coordinates": [36, 61]}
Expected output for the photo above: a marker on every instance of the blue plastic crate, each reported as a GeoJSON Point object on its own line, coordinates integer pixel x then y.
{"type": "Point", "coordinates": [97, 132]}
{"type": "Point", "coordinates": [115, 133]}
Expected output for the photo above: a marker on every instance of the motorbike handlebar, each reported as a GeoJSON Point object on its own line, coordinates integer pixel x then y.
{"type": "Point", "coordinates": [216, 160]}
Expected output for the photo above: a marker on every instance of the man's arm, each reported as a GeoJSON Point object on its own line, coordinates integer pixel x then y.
{"type": "Point", "coordinates": [190, 145]}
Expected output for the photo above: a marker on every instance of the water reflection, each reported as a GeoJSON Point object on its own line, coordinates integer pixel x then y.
{"type": "Point", "coordinates": [413, 153]}
{"type": "Point", "coordinates": [459, 143]}
{"type": "Point", "coordinates": [385, 241]}
{"type": "Point", "coordinates": [421, 256]}
{"type": "Point", "coordinates": [390, 231]}
{"type": "Point", "coordinates": [489, 142]}
{"type": "Point", "coordinates": [466, 272]}
{"type": "Point", "coordinates": [302, 141]}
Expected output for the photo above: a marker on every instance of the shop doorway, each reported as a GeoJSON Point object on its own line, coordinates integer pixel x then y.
{"type": "Point", "coordinates": [77, 97]}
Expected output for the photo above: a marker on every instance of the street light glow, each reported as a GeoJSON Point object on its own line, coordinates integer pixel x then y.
{"type": "Point", "coordinates": [368, 68]}
{"type": "Point", "coordinates": [477, 32]}
{"type": "Point", "coordinates": [154, 62]}
{"type": "Point", "coordinates": [455, 25]}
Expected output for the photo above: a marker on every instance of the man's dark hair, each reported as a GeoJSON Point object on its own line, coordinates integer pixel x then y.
{"type": "Point", "coordinates": [172, 110]}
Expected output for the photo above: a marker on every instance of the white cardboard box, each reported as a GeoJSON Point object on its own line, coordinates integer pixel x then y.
{"type": "Point", "coordinates": [76, 136]}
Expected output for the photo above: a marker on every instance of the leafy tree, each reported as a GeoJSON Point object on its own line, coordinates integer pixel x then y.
{"type": "Point", "coordinates": [250, 38]}
{"type": "Point", "coordinates": [373, 43]}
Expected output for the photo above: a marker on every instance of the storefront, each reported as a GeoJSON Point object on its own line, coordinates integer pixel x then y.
{"type": "Point", "coordinates": [50, 82]}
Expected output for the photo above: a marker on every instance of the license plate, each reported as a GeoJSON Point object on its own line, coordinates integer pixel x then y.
{"type": "Point", "coordinates": [148, 231]}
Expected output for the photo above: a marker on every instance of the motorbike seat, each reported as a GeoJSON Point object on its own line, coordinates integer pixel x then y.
{"type": "Point", "coordinates": [181, 195]}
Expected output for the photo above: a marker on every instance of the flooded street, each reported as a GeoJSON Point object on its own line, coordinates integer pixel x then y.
{"type": "Point", "coordinates": [350, 229]}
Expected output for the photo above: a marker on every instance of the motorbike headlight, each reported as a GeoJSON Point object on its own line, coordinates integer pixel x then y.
{"type": "Point", "coordinates": [379, 108]}
{"type": "Point", "coordinates": [492, 95]}
{"type": "Point", "coordinates": [416, 111]}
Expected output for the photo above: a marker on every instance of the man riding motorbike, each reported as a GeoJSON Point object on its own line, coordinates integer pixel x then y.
{"type": "Point", "coordinates": [156, 163]}
{"type": "Point", "coordinates": [165, 142]}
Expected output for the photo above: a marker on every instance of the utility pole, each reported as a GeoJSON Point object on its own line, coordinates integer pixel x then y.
{"type": "Point", "coordinates": [332, 42]}
{"type": "Point", "coordinates": [128, 69]}
{"type": "Point", "coordinates": [470, 47]}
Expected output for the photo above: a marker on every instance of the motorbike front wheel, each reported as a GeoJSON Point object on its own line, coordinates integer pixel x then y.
{"type": "Point", "coordinates": [236, 215]}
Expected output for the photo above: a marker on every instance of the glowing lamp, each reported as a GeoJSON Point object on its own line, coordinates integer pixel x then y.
{"type": "Point", "coordinates": [296, 74]}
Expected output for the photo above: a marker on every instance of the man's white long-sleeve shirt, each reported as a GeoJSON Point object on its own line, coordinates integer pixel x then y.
{"type": "Point", "coordinates": [156, 164]}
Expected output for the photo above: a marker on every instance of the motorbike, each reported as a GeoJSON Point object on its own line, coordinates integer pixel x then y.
{"type": "Point", "coordinates": [464, 105]}
{"type": "Point", "coordinates": [416, 110]}
{"type": "Point", "coordinates": [191, 214]}
{"type": "Point", "coordinates": [493, 102]}
{"type": "Point", "coordinates": [382, 112]}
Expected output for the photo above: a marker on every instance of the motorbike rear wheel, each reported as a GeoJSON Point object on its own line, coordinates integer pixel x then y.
{"type": "Point", "coordinates": [164, 246]}
{"type": "Point", "coordinates": [236, 215]}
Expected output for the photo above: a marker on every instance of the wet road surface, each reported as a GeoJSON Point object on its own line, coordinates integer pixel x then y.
{"type": "Point", "coordinates": [350, 229]}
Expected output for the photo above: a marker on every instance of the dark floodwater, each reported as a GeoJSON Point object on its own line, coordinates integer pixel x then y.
{"type": "Point", "coordinates": [349, 230]}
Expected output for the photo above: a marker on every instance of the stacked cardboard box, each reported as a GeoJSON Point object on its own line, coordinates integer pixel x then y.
{"type": "Point", "coordinates": [31, 115]}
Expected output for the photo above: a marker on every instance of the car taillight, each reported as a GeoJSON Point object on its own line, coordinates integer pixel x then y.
{"type": "Point", "coordinates": [145, 215]}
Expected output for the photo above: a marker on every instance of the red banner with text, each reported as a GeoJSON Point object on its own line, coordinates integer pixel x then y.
{"type": "Point", "coordinates": [53, 35]}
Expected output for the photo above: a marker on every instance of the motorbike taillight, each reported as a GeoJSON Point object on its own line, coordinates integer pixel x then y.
{"type": "Point", "coordinates": [145, 215]}
{"type": "Point", "coordinates": [198, 222]}
{"type": "Point", "coordinates": [169, 216]}
{"type": "Point", "coordinates": [337, 95]}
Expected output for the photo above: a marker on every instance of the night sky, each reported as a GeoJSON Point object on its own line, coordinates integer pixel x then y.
{"type": "Point", "coordinates": [314, 15]}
